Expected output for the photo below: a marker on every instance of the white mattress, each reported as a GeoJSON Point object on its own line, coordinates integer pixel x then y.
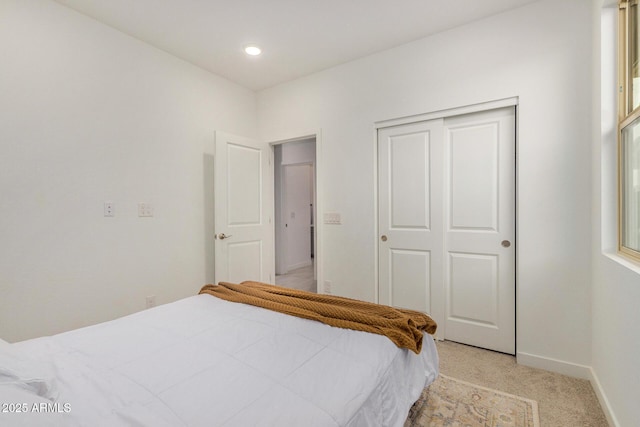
{"type": "Point", "coordinates": [203, 361]}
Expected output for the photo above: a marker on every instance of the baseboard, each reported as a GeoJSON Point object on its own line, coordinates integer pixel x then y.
{"type": "Point", "coordinates": [602, 398]}
{"type": "Point", "coordinates": [554, 365]}
{"type": "Point", "coordinates": [299, 265]}
{"type": "Point", "coordinates": [572, 370]}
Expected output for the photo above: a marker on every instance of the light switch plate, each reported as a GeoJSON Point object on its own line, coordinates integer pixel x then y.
{"type": "Point", "coordinates": [145, 209]}
{"type": "Point", "coordinates": [332, 218]}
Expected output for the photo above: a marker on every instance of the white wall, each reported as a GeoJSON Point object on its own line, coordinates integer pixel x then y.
{"type": "Point", "coordinates": [87, 115]}
{"type": "Point", "coordinates": [616, 283]}
{"type": "Point", "coordinates": [537, 53]}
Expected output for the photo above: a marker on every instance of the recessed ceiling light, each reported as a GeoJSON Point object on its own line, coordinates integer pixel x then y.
{"type": "Point", "coordinates": [252, 50]}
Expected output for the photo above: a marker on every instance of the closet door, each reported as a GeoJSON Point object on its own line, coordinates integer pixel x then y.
{"type": "Point", "coordinates": [446, 201]}
{"type": "Point", "coordinates": [410, 172]}
{"type": "Point", "coordinates": [480, 229]}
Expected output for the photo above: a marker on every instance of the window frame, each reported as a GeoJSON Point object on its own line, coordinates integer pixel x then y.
{"type": "Point", "coordinates": [626, 115]}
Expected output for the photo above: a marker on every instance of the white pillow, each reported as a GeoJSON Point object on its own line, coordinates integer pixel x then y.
{"type": "Point", "coordinates": [3, 343]}
{"type": "Point", "coordinates": [33, 376]}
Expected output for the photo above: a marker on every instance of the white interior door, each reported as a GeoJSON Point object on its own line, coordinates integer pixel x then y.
{"type": "Point", "coordinates": [243, 244]}
{"type": "Point", "coordinates": [410, 217]}
{"type": "Point", "coordinates": [446, 195]}
{"type": "Point", "coordinates": [480, 229]}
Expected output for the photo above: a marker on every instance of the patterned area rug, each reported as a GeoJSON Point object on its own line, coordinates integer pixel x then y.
{"type": "Point", "coordinates": [450, 402]}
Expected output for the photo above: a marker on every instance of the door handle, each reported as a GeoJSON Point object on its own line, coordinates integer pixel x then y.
{"type": "Point", "coordinates": [383, 238]}
{"type": "Point", "coordinates": [222, 236]}
{"type": "Point", "coordinates": [505, 243]}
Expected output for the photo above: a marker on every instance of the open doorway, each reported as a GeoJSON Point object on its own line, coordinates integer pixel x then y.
{"type": "Point", "coordinates": [295, 213]}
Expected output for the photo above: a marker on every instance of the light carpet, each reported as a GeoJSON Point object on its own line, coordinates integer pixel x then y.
{"type": "Point", "coordinates": [449, 402]}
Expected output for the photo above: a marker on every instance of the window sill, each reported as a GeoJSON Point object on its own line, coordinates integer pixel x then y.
{"type": "Point", "coordinates": [623, 261]}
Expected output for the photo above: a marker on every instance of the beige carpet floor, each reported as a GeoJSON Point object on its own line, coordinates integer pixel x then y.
{"type": "Point", "coordinates": [562, 401]}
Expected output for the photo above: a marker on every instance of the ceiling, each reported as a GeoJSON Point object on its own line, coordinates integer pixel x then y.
{"type": "Point", "coordinates": [298, 37]}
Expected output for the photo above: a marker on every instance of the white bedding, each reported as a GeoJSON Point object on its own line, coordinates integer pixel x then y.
{"type": "Point", "coordinates": [203, 361]}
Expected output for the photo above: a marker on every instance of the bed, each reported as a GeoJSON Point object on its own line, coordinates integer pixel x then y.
{"type": "Point", "coordinates": [204, 361]}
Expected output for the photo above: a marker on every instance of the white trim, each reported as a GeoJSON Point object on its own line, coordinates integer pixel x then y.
{"type": "Point", "coordinates": [299, 265]}
{"type": "Point", "coordinates": [318, 226]}
{"type": "Point", "coordinates": [376, 229]}
{"type": "Point", "coordinates": [602, 398]}
{"type": "Point", "coordinates": [458, 111]}
{"type": "Point", "coordinates": [304, 137]}
{"type": "Point", "coordinates": [554, 365]}
{"type": "Point", "coordinates": [627, 263]}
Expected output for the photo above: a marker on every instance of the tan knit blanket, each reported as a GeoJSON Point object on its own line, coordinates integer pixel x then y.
{"type": "Point", "coordinates": [404, 327]}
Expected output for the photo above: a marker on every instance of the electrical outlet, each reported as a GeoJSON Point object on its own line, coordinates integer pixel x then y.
{"type": "Point", "coordinates": [327, 287]}
{"type": "Point", "coordinates": [109, 209]}
{"type": "Point", "coordinates": [150, 301]}
{"type": "Point", "coordinates": [145, 209]}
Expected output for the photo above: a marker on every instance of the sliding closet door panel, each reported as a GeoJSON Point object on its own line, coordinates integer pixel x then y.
{"type": "Point", "coordinates": [409, 181]}
{"type": "Point", "coordinates": [473, 284]}
{"type": "Point", "coordinates": [474, 177]}
{"type": "Point", "coordinates": [480, 229]}
{"type": "Point", "coordinates": [410, 279]}
{"type": "Point", "coordinates": [410, 208]}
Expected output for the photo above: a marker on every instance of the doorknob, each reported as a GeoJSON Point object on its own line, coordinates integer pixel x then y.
{"type": "Point", "coordinates": [222, 236]}
{"type": "Point", "coordinates": [383, 238]}
{"type": "Point", "coordinates": [506, 243]}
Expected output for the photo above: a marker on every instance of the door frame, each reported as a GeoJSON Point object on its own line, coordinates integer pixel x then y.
{"type": "Point", "coordinates": [442, 114]}
{"type": "Point", "coordinates": [318, 202]}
